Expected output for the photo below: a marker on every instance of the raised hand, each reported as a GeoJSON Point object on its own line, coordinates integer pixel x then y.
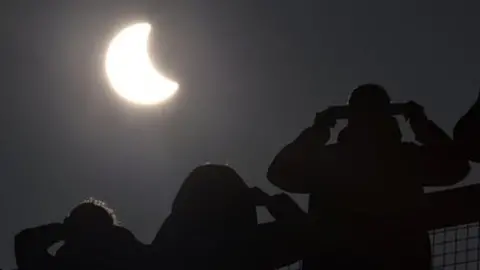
{"type": "Point", "coordinates": [414, 111]}
{"type": "Point", "coordinates": [326, 118]}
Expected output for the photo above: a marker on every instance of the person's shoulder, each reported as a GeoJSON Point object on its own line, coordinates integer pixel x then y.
{"type": "Point", "coordinates": [122, 237]}
{"type": "Point", "coordinates": [119, 230]}
{"type": "Point", "coordinates": [122, 234]}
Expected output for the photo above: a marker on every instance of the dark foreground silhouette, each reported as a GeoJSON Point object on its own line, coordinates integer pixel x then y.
{"type": "Point", "coordinates": [213, 225]}
{"type": "Point", "coordinates": [91, 241]}
{"type": "Point", "coordinates": [467, 133]}
{"type": "Point", "coordinates": [367, 189]}
{"type": "Point", "coordinates": [367, 207]}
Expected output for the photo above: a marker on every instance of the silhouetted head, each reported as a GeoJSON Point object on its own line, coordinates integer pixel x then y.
{"type": "Point", "coordinates": [369, 99]}
{"type": "Point", "coordinates": [210, 189]}
{"type": "Point", "coordinates": [370, 118]}
{"type": "Point", "coordinates": [90, 216]}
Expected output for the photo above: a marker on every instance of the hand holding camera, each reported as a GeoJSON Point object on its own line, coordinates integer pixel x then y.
{"type": "Point", "coordinates": [329, 116]}
{"type": "Point", "coordinates": [414, 111]}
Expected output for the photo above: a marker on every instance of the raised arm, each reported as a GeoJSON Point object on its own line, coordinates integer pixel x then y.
{"type": "Point", "coordinates": [31, 246]}
{"type": "Point", "coordinates": [426, 131]}
{"type": "Point", "coordinates": [283, 241]}
{"type": "Point", "coordinates": [438, 160]}
{"type": "Point", "coordinates": [284, 209]}
{"type": "Point", "coordinates": [300, 162]}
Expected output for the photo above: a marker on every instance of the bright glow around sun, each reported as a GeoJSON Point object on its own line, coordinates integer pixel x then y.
{"type": "Point", "coordinates": [130, 70]}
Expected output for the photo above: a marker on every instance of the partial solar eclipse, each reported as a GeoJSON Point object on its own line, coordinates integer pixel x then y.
{"type": "Point", "coordinates": [130, 70]}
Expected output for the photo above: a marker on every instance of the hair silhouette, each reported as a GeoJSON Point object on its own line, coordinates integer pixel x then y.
{"type": "Point", "coordinates": [213, 225]}
{"type": "Point", "coordinates": [91, 241]}
{"type": "Point", "coordinates": [90, 216]}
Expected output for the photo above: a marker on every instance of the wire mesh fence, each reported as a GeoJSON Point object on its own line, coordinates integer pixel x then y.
{"type": "Point", "coordinates": [453, 248]}
{"type": "Point", "coordinates": [456, 248]}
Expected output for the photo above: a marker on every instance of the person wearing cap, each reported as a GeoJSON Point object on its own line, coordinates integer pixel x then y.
{"type": "Point", "coordinates": [366, 190]}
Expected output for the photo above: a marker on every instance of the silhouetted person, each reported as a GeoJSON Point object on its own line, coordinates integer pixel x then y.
{"type": "Point", "coordinates": [467, 133]}
{"type": "Point", "coordinates": [367, 189]}
{"type": "Point", "coordinates": [91, 241]}
{"type": "Point", "coordinates": [213, 225]}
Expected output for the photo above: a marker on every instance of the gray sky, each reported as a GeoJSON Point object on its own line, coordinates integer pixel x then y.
{"type": "Point", "coordinates": [252, 75]}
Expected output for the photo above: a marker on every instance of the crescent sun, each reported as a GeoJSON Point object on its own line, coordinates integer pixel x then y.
{"type": "Point", "coordinates": [130, 70]}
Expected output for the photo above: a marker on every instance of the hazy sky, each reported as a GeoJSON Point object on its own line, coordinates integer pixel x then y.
{"type": "Point", "coordinates": [252, 73]}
